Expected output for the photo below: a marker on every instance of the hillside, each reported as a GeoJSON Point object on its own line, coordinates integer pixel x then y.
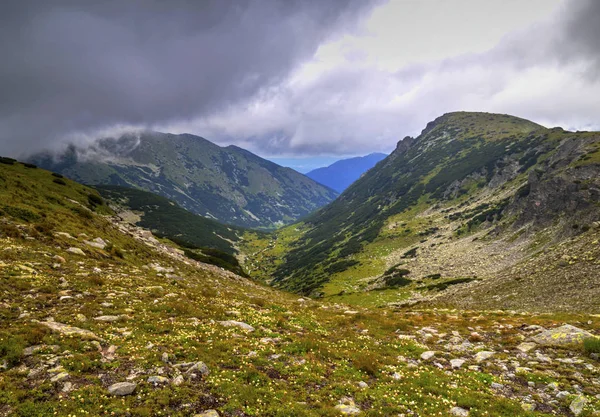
{"type": "Point", "coordinates": [228, 184]}
{"type": "Point", "coordinates": [341, 174]}
{"type": "Point", "coordinates": [472, 202]}
{"type": "Point", "coordinates": [98, 317]}
{"type": "Point", "coordinates": [165, 218]}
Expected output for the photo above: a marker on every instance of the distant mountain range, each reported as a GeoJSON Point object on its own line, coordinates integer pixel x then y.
{"type": "Point", "coordinates": [228, 184]}
{"type": "Point", "coordinates": [341, 174]}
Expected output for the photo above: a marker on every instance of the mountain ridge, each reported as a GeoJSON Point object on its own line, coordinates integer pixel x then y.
{"type": "Point", "coordinates": [229, 184]}
{"type": "Point", "coordinates": [435, 214]}
{"type": "Point", "coordinates": [344, 172]}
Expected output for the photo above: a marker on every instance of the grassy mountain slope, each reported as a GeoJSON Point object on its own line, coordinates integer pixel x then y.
{"type": "Point", "coordinates": [141, 313]}
{"type": "Point", "coordinates": [165, 218]}
{"type": "Point", "coordinates": [474, 195]}
{"type": "Point", "coordinates": [341, 174]}
{"type": "Point", "coordinates": [229, 184]}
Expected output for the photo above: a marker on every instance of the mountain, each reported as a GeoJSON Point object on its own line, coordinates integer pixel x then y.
{"type": "Point", "coordinates": [476, 200]}
{"type": "Point", "coordinates": [341, 174]}
{"type": "Point", "coordinates": [228, 184]}
{"type": "Point", "coordinates": [98, 317]}
{"type": "Point", "coordinates": [166, 218]}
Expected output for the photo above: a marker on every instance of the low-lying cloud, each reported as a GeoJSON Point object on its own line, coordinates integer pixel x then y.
{"type": "Point", "coordinates": [236, 73]}
{"type": "Point", "coordinates": [76, 70]}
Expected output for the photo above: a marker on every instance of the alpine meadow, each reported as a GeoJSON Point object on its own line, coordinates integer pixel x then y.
{"type": "Point", "coordinates": [162, 252]}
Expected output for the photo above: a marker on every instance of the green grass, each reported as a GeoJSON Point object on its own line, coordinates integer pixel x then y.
{"type": "Point", "coordinates": [592, 345]}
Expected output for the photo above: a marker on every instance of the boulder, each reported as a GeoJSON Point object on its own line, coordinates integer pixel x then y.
{"type": "Point", "coordinates": [239, 324]}
{"type": "Point", "coordinates": [76, 251]}
{"type": "Point", "coordinates": [122, 388]}
{"type": "Point", "coordinates": [562, 336]}
{"type": "Point", "coordinates": [70, 330]}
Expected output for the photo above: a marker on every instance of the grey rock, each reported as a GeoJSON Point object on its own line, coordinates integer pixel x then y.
{"type": "Point", "coordinates": [577, 405]}
{"type": "Point", "coordinates": [199, 367]}
{"type": "Point", "coordinates": [427, 355]}
{"type": "Point", "coordinates": [108, 319]}
{"type": "Point", "coordinates": [157, 380]}
{"type": "Point", "coordinates": [483, 356]}
{"type": "Point", "coordinates": [456, 363]}
{"type": "Point", "coordinates": [76, 251]}
{"type": "Point", "coordinates": [70, 330]}
{"type": "Point", "coordinates": [207, 413]}
{"type": "Point", "coordinates": [561, 336]}
{"type": "Point", "coordinates": [238, 324]}
{"type": "Point", "coordinates": [122, 388]}
{"type": "Point", "coordinates": [459, 412]}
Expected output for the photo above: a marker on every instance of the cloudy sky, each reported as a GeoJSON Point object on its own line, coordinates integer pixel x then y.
{"type": "Point", "coordinates": [291, 79]}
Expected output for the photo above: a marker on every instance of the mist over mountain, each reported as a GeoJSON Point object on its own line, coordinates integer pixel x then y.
{"type": "Point", "coordinates": [228, 184]}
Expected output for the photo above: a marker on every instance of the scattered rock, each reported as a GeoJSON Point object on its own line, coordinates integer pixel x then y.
{"type": "Point", "coordinates": [459, 412]}
{"type": "Point", "coordinates": [207, 413]}
{"type": "Point", "coordinates": [199, 367]}
{"type": "Point", "coordinates": [526, 346]}
{"type": "Point", "coordinates": [122, 388]}
{"type": "Point", "coordinates": [178, 380]}
{"type": "Point", "coordinates": [239, 324]}
{"type": "Point", "coordinates": [577, 405]}
{"type": "Point", "coordinates": [96, 243]}
{"type": "Point", "coordinates": [59, 377]}
{"type": "Point", "coordinates": [363, 384]}
{"type": "Point", "coordinates": [108, 319]}
{"type": "Point", "coordinates": [427, 355]}
{"type": "Point", "coordinates": [70, 330]}
{"type": "Point", "coordinates": [348, 410]}
{"type": "Point", "coordinates": [157, 380]}
{"type": "Point", "coordinates": [561, 336]}
{"type": "Point", "coordinates": [456, 363]}
{"type": "Point", "coordinates": [76, 251]}
{"type": "Point", "coordinates": [483, 355]}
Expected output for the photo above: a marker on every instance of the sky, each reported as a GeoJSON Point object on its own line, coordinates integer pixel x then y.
{"type": "Point", "coordinates": [301, 81]}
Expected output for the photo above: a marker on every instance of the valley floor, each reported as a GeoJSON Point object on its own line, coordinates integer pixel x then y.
{"type": "Point", "coordinates": [145, 333]}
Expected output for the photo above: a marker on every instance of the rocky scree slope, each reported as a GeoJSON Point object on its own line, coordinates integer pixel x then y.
{"type": "Point", "coordinates": [99, 317]}
{"type": "Point", "coordinates": [228, 184]}
{"type": "Point", "coordinates": [470, 198]}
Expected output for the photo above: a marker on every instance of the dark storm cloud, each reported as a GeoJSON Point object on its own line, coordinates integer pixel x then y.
{"type": "Point", "coordinates": [77, 66]}
{"type": "Point", "coordinates": [547, 72]}
{"type": "Point", "coordinates": [581, 33]}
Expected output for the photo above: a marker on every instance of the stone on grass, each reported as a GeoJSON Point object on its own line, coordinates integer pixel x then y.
{"type": "Point", "coordinates": [239, 324]}
{"type": "Point", "coordinates": [157, 380]}
{"type": "Point", "coordinates": [347, 409]}
{"type": "Point", "coordinates": [456, 363]}
{"type": "Point", "coordinates": [459, 412]}
{"type": "Point", "coordinates": [108, 319]}
{"type": "Point", "coordinates": [526, 346]}
{"type": "Point", "coordinates": [70, 330]}
{"type": "Point", "coordinates": [208, 413]}
{"type": "Point", "coordinates": [76, 251]}
{"type": "Point", "coordinates": [59, 377]}
{"type": "Point", "coordinates": [122, 388]}
{"type": "Point", "coordinates": [578, 405]}
{"type": "Point", "coordinates": [427, 355]}
{"type": "Point", "coordinates": [562, 336]}
{"type": "Point", "coordinates": [483, 355]}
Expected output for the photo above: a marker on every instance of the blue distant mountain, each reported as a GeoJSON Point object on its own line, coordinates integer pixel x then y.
{"type": "Point", "coordinates": [341, 174]}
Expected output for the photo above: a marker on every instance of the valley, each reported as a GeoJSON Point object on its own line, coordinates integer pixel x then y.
{"type": "Point", "coordinates": [458, 302]}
